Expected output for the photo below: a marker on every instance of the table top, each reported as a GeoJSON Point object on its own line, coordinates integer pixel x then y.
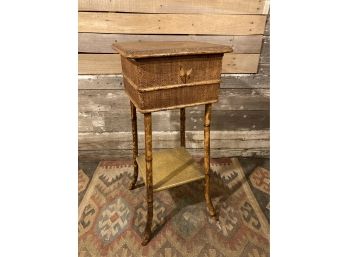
{"type": "Point", "coordinates": [147, 49]}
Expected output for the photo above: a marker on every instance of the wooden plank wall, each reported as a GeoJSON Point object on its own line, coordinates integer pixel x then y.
{"type": "Point", "coordinates": [240, 120]}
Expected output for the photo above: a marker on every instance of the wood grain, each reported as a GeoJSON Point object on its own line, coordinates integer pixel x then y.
{"type": "Point", "coordinates": [229, 99]}
{"type": "Point", "coordinates": [97, 155]}
{"type": "Point", "coordinates": [137, 23]}
{"type": "Point", "coordinates": [118, 121]}
{"type": "Point", "coordinates": [164, 140]}
{"type": "Point", "coordinates": [99, 64]}
{"type": "Point", "coordinates": [101, 43]}
{"type": "Point", "coordinates": [177, 6]}
{"type": "Point", "coordinates": [240, 63]}
{"type": "Point", "coordinates": [111, 63]}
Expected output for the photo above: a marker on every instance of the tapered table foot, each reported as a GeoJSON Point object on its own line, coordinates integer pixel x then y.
{"type": "Point", "coordinates": [146, 238]}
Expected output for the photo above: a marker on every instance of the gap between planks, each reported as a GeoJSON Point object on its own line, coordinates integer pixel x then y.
{"type": "Point", "coordinates": [229, 99]}
{"type": "Point", "coordinates": [170, 139]}
{"type": "Point", "coordinates": [96, 155]}
{"type": "Point", "coordinates": [118, 121]}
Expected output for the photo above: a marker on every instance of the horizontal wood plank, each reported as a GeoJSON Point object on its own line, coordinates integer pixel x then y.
{"type": "Point", "coordinates": [97, 155]}
{"type": "Point", "coordinates": [101, 43]}
{"type": "Point", "coordinates": [177, 6]}
{"type": "Point", "coordinates": [240, 63]}
{"type": "Point", "coordinates": [99, 64]}
{"type": "Point", "coordinates": [118, 121]}
{"type": "Point", "coordinates": [258, 80]}
{"type": "Point", "coordinates": [137, 23]}
{"type": "Point", "coordinates": [111, 64]}
{"type": "Point", "coordinates": [229, 99]}
{"type": "Point", "coordinates": [171, 139]}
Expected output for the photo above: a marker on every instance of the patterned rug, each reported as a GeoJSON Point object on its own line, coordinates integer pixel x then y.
{"type": "Point", "coordinates": [112, 218]}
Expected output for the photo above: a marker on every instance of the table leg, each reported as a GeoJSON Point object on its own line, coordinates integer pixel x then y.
{"type": "Point", "coordinates": [207, 119]}
{"type": "Point", "coordinates": [149, 186]}
{"type": "Point", "coordinates": [135, 145]}
{"type": "Point", "coordinates": [182, 126]}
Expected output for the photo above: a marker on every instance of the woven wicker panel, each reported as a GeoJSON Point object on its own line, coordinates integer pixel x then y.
{"type": "Point", "coordinates": [159, 71]}
{"type": "Point", "coordinates": [176, 81]}
{"type": "Point", "coordinates": [180, 97]}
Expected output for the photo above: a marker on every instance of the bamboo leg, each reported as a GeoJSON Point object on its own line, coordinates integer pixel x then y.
{"type": "Point", "coordinates": [135, 145]}
{"type": "Point", "coordinates": [182, 126]}
{"type": "Point", "coordinates": [207, 119]}
{"type": "Point", "coordinates": [149, 186]}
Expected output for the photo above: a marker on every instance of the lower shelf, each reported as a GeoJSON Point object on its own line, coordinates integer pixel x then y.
{"type": "Point", "coordinates": [171, 168]}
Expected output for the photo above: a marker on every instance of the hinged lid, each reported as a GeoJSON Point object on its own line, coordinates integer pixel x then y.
{"type": "Point", "coordinates": [146, 49]}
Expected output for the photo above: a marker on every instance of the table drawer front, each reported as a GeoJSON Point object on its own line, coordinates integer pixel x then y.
{"type": "Point", "coordinates": [169, 71]}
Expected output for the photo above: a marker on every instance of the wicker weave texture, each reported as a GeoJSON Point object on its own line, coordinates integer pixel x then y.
{"type": "Point", "coordinates": [158, 83]}
{"type": "Point", "coordinates": [172, 98]}
{"type": "Point", "coordinates": [160, 71]}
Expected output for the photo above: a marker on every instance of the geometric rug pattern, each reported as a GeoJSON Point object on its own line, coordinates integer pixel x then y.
{"type": "Point", "coordinates": [83, 181]}
{"type": "Point", "coordinates": [260, 181]}
{"type": "Point", "coordinates": [112, 218]}
{"type": "Point", "coordinates": [258, 176]}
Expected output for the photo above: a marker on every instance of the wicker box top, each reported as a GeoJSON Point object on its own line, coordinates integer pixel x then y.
{"type": "Point", "coordinates": [147, 49]}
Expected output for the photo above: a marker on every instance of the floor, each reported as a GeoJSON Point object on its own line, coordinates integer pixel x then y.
{"type": "Point", "coordinates": [255, 169]}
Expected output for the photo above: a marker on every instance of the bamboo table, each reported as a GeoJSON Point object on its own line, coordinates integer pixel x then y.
{"type": "Point", "coordinates": [170, 75]}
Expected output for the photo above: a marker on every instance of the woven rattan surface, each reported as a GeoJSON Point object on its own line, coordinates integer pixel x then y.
{"type": "Point", "coordinates": [167, 75]}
